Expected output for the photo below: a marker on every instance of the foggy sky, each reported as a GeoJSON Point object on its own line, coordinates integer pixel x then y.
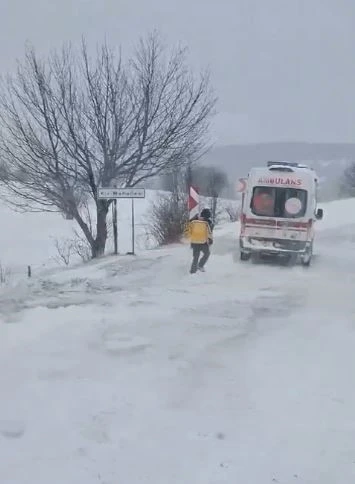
{"type": "Point", "coordinates": [284, 70]}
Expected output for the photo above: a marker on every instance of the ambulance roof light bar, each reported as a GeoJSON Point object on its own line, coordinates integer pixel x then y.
{"type": "Point", "coordinates": [285, 163]}
{"type": "Point", "coordinates": [288, 163]}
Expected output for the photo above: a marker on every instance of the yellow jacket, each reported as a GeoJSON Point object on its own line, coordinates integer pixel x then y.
{"type": "Point", "coordinates": [199, 232]}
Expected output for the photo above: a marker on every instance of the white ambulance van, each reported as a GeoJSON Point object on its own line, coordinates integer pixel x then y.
{"type": "Point", "coordinates": [279, 209]}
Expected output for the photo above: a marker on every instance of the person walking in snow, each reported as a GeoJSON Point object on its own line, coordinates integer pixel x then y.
{"type": "Point", "coordinates": [201, 237]}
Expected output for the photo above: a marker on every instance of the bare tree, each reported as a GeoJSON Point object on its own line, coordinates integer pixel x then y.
{"type": "Point", "coordinates": [211, 182]}
{"type": "Point", "coordinates": [70, 124]}
{"type": "Point", "coordinates": [167, 218]}
{"type": "Point", "coordinates": [5, 274]}
{"type": "Point", "coordinates": [168, 214]}
{"type": "Point", "coordinates": [233, 211]}
{"type": "Point", "coordinates": [216, 182]}
{"type": "Point", "coordinates": [64, 249]}
{"type": "Point", "coordinates": [178, 178]}
{"type": "Point", "coordinates": [81, 247]}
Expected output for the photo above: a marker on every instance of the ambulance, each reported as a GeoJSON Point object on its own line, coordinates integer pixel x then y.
{"type": "Point", "coordinates": [279, 211]}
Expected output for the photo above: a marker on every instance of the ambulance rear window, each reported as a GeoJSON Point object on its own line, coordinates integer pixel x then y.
{"type": "Point", "coordinates": [279, 202]}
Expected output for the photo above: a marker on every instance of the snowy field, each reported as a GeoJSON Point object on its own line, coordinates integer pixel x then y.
{"type": "Point", "coordinates": [29, 239]}
{"type": "Point", "coordinates": [130, 370]}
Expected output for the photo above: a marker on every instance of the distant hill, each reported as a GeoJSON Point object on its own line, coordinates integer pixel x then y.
{"type": "Point", "coordinates": [328, 159]}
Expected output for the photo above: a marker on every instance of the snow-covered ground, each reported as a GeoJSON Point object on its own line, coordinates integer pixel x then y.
{"type": "Point", "coordinates": [130, 370]}
{"type": "Point", "coordinates": [30, 239]}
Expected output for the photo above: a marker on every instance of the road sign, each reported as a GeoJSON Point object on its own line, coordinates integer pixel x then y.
{"type": "Point", "coordinates": [193, 202]}
{"type": "Point", "coordinates": [110, 193]}
{"type": "Point", "coordinates": [242, 185]}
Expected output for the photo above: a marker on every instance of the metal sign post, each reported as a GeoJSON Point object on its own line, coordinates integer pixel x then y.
{"type": "Point", "coordinates": [132, 226]}
{"type": "Point", "coordinates": [115, 193]}
{"type": "Point", "coordinates": [115, 231]}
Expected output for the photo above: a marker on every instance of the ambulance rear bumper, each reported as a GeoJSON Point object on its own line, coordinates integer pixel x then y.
{"type": "Point", "coordinates": [270, 246]}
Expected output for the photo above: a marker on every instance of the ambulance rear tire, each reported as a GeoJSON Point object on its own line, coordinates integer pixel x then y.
{"type": "Point", "coordinates": [244, 256]}
{"type": "Point", "coordinates": [306, 260]}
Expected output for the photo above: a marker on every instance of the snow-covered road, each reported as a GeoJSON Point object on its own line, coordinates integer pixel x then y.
{"type": "Point", "coordinates": [134, 371]}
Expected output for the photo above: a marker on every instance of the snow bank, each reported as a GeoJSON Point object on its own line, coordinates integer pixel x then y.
{"type": "Point", "coordinates": [29, 239]}
{"type": "Point", "coordinates": [337, 214]}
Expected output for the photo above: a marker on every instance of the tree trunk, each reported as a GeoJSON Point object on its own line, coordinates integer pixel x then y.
{"type": "Point", "coordinates": [214, 202]}
{"type": "Point", "coordinates": [188, 178]}
{"type": "Point", "coordinates": [99, 244]}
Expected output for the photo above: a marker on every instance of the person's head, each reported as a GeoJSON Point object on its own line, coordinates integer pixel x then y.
{"type": "Point", "coordinates": [206, 213]}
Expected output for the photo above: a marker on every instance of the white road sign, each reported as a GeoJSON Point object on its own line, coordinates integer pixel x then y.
{"type": "Point", "coordinates": [241, 185]}
{"type": "Point", "coordinates": [109, 193]}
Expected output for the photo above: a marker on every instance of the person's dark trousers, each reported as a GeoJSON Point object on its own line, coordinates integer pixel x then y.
{"type": "Point", "coordinates": [196, 251]}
